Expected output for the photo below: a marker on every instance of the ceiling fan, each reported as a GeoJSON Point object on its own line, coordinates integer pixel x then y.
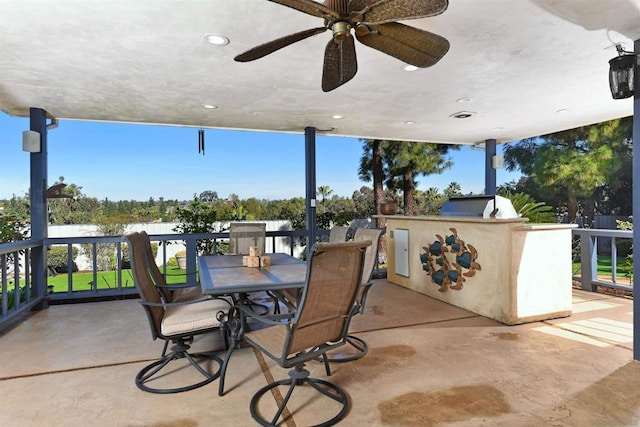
{"type": "Point", "coordinates": [373, 22]}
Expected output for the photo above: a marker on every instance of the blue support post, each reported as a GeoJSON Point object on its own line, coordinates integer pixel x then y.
{"type": "Point", "coordinates": [39, 212]}
{"type": "Point", "coordinates": [310, 180]}
{"type": "Point", "coordinates": [636, 209]}
{"type": "Point", "coordinates": [489, 171]}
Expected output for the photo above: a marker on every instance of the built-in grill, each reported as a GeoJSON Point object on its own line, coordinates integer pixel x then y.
{"type": "Point", "coordinates": [479, 206]}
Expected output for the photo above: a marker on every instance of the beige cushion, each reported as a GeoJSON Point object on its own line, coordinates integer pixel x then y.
{"type": "Point", "coordinates": [192, 317]}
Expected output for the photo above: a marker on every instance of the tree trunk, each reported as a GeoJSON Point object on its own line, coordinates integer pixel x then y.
{"type": "Point", "coordinates": [407, 184]}
{"type": "Point", "coordinates": [572, 208]}
{"type": "Point", "coordinates": [378, 191]}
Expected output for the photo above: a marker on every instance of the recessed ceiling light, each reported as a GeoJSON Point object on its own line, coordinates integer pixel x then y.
{"type": "Point", "coordinates": [498, 129]}
{"type": "Point", "coordinates": [337, 116]}
{"type": "Point", "coordinates": [409, 122]}
{"type": "Point", "coordinates": [217, 39]}
{"type": "Point", "coordinates": [463, 114]}
{"type": "Point", "coordinates": [209, 106]}
{"type": "Point", "coordinates": [464, 100]}
{"type": "Point", "coordinates": [562, 111]}
{"type": "Point", "coordinates": [410, 68]}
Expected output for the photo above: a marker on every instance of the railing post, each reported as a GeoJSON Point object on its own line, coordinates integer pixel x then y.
{"type": "Point", "coordinates": [191, 260]}
{"type": "Point", "coordinates": [614, 260]}
{"type": "Point", "coordinates": [39, 214]}
{"type": "Point", "coordinates": [588, 259]}
{"type": "Point", "coordinates": [310, 180]}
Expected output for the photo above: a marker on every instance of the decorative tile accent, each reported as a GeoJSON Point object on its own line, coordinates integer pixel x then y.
{"type": "Point", "coordinates": [449, 261]}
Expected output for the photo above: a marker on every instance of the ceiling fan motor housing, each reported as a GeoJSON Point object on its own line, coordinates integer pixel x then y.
{"type": "Point", "coordinates": [341, 31]}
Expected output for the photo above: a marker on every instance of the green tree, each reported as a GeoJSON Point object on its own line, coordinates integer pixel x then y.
{"type": "Point", "coordinates": [198, 217]}
{"type": "Point", "coordinates": [363, 204]}
{"type": "Point", "coordinates": [453, 190]}
{"type": "Point", "coordinates": [405, 160]}
{"type": "Point", "coordinates": [75, 209]}
{"type": "Point", "coordinates": [430, 201]}
{"type": "Point", "coordinates": [577, 163]}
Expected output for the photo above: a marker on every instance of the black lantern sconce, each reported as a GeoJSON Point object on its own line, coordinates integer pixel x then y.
{"type": "Point", "coordinates": [622, 74]}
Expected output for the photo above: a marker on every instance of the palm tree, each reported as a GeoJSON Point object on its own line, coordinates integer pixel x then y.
{"type": "Point", "coordinates": [324, 191]}
{"type": "Point", "coordinates": [371, 167]}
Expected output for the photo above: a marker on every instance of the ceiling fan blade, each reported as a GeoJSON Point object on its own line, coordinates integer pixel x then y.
{"type": "Point", "coordinates": [408, 44]}
{"type": "Point", "coordinates": [384, 11]}
{"type": "Point", "coordinates": [340, 64]}
{"type": "Point", "coordinates": [270, 47]}
{"type": "Point", "coordinates": [310, 7]}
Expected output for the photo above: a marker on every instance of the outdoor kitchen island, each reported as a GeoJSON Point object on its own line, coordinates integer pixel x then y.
{"type": "Point", "coordinates": [502, 268]}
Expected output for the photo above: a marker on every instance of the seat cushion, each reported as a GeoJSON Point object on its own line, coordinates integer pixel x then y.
{"type": "Point", "coordinates": [192, 317]}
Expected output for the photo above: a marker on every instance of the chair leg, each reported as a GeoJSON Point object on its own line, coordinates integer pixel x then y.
{"type": "Point", "coordinates": [179, 351]}
{"type": "Point", "coordinates": [223, 370]}
{"type": "Point", "coordinates": [299, 377]}
{"type": "Point", "coordinates": [359, 344]}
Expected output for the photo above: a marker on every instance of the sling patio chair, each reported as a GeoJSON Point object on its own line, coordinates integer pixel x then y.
{"type": "Point", "coordinates": [320, 324]}
{"type": "Point", "coordinates": [177, 321]}
{"type": "Point", "coordinates": [168, 292]}
{"type": "Point", "coordinates": [242, 236]}
{"type": "Point", "coordinates": [338, 233]}
{"type": "Point", "coordinates": [371, 256]}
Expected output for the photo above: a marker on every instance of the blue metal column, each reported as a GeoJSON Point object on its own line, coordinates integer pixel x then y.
{"type": "Point", "coordinates": [636, 209]}
{"type": "Point", "coordinates": [39, 214]}
{"type": "Point", "coordinates": [310, 179]}
{"type": "Point", "coordinates": [489, 171]}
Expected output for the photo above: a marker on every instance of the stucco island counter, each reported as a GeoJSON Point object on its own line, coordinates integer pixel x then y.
{"type": "Point", "coordinates": [504, 269]}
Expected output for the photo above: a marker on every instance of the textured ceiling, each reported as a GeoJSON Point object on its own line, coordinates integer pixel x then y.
{"type": "Point", "coordinates": [524, 67]}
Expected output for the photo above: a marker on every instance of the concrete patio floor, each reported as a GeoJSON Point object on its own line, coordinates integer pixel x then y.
{"type": "Point", "coordinates": [429, 364]}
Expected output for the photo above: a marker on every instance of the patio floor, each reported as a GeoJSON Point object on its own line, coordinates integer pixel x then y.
{"type": "Point", "coordinates": [429, 364]}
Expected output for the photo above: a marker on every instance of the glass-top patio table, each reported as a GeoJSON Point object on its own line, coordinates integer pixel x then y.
{"type": "Point", "coordinates": [225, 275]}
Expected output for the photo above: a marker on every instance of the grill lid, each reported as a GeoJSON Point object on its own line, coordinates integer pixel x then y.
{"type": "Point", "coordinates": [479, 206]}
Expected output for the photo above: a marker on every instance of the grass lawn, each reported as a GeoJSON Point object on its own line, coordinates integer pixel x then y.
{"type": "Point", "coordinates": [82, 281]}
{"type": "Point", "coordinates": [604, 267]}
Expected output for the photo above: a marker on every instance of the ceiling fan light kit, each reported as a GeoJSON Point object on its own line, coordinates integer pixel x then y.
{"type": "Point", "coordinates": [374, 24]}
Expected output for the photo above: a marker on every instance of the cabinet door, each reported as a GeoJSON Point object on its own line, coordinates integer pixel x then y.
{"type": "Point", "coordinates": [401, 238]}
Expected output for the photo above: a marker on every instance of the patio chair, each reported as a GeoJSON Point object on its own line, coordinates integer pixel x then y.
{"type": "Point", "coordinates": [243, 235]}
{"type": "Point", "coordinates": [320, 324]}
{"type": "Point", "coordinates": [371, 256]}
{"type": "Point", "coordinates": [175, 291]}
{"type": "Point", "coordinates": [338, 233]}
{"type": "Point", "coordinates": [177, 321]}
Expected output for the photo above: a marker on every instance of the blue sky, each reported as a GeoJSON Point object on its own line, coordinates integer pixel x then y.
{"type": "Point", "coordinates": [136, 162]}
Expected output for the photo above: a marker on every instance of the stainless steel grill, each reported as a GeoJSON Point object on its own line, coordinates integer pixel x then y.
{"type": "Point", "coordinates": [479, 206]}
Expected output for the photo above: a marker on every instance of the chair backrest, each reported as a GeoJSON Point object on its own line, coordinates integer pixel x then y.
{"type": "Point", "coordinates": [371, 255]}
{"type": "Point", "coordinates": [156, 274]}
{"type": "Point", "coordinates": [327, 302]}
{"type": "Point", "coordinates": [144, 281]}
{"type": "Point", "coordinates": [243, 235]}
{"type": "Point", "coordinates": [338, 233]}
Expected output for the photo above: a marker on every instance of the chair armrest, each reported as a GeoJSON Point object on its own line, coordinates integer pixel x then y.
{"type": "Point", "coordinates": [175, 286]}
